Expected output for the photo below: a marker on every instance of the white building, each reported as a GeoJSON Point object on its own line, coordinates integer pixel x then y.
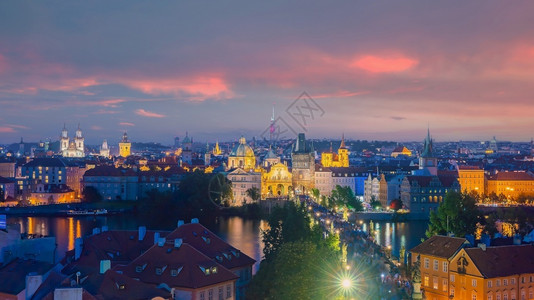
{"type": "Point", "coordinates": [241, 182]}
{"type": "Point", "coordinates": [323, 180]}
{"type": "Point", "coordinates": [371, 189]}
{"type": "Point", "coordinates": [74, 147]}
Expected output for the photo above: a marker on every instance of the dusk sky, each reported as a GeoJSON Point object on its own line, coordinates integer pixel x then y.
{"type": "Point", "coordinates": [379, 69]}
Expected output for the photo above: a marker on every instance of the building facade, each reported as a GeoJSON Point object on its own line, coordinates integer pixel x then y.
{"type": "Point", "coordinates": [511, 184]}
{"type": "Point", "coordinates": [74, 147]}
{"type": "Point", "coordinates": [423, 194]}
{"type": "Point", "coordinates": [125, 147]}
{"type": "Point", "coordinates": [339, 159]}
{"type": "Point", "coordinates": [472, 179]}
{"type": "Point", "coordinates": [242, 156]}
{"type": "Point", "coordinates": [112, 183]}
{"type": "Point", "coordinates": [303, 165]}
{"type": "Point", "coordinates": [276, 182]}
{"type": "Point", "coordinates": [241, 182]}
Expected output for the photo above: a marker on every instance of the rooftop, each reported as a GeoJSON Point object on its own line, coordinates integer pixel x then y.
{"type": "Point", "coordinates": [440, 246]}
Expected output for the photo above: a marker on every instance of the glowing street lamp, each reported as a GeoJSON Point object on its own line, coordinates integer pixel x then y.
{"type": "Point", "coordinates": [346, 283]}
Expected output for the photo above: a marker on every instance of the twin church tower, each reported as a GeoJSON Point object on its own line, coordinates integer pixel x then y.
{"type": "Point", "coordinates": [75, 147]}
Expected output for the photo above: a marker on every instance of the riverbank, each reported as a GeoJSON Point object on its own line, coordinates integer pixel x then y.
{"type": "Point", "coordinates": [62, 209]}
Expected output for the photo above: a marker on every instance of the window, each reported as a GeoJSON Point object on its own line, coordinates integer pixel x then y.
{"type": "Point", "coordinates": [228, 291]}
{"type": "Point", "coordinates": [474, 296]}
{"type": "Point", "coordinates": [452, 292]}
{"type": "Point", "coordinates": [435, 282]}
{"type": "Point", "coordinates": [445, 267]}
{"type": "Point", "coordinates": [505, 282]}
{"type": "Point", "coordinates": [498, 296]}
{"type": "Point", "coordinates": [498, 283]}
{"type": "Point", "coordinates": [489, 283]}
{"type": "Point", "coordinates": [512, 281]}
{"type": "Point", "coordinates": [427, 263]}
{"type": "Point", "coordinates": [426, 281]}
{"type": "Point", "coordinates": [444, 285]}
{"type": "Point", "coordinates": [505, 296]}
{"type": "Point", "coordinates": [474, 282]}
{"type": "Point", "coordinates": [436, 265]}
{"type": "Point", "coordinates": [221, 293]}
{"type": "Point", "coordinates": [202, 295]}
{"type": "Point", "coordinates": [452, 277]}
{"type": "Point", "coordinates": [490, 297]}
{"type": "Point", "coordinates": [210, 294]}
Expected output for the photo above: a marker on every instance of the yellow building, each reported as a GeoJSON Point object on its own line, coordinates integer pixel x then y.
{"type": "Point", "coordinates": [511, 184]}
{"type": "Point", "coordinates": [276, 182]}
{"type": "Point", "coordinates": [401, 150]}
{"type": "Point", "coordinates": [242, 156]}
{"type": "Point", "coordinates": [217, 150]}
{"type": "Point", "coordinates": [339, 159]}
{"type": "Point", "coordinates": [472, 179]}
{"type": "Point", "coordinates": [435, 255]}
{"type": "Point", "coordinates": [493, 273]}
{"type": "Point", "coordinates": [125, 146]}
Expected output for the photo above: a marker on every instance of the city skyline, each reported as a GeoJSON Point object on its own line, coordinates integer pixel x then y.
{"type": "Point", "coordinates": [380, 71]}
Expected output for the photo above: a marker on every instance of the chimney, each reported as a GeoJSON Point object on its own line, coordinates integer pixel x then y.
{"type": "Point", "coordinates": [161, 242]}
{"type": "Point", "coordinates": [104, 266]}
{"type": "Point", "coordinates": [180, 223]}
{"type": "Point", "coordinates": [78, 244]}
{"type": "Point", "coordinates": [194, 221]}
{"type": "Point", "coordinates": [33, 282]}
{"type": "Point", "coordinates": [177, 243]}
{"type": "Point", "coordinates": [104, 228]}
{"type": "Point", "coordinates": [156, 237]}
{"type": "Point", "coordinates": [142, 232]}
{"type": "Point", "coordinates": [96, 231]}
{"type": "Point", "coordinates": [482, 246]}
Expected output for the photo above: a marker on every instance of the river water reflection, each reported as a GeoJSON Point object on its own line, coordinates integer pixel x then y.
{"type": "Point", "coordinates": [244, 234]}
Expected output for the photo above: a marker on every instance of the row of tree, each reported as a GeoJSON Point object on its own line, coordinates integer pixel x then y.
{"type": "Point", "coordinates": [341, 197]}
{"type": "Point", "coordinates": [299, 263]}
{"type": "Point", "coordinates": [458, 214]}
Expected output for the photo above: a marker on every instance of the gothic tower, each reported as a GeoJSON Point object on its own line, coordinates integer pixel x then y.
{"type": "Point", "coordinates": [64, 139]}
{"type": "Point", "coordinates": [427, 160]}
{"type": "Point", "coordinates": [79, 140]}
{"type": "Point", "coordinates": [125, 146]}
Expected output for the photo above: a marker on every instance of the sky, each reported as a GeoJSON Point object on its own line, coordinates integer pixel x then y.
{"type": "Point", "coordinates": [377, 70]}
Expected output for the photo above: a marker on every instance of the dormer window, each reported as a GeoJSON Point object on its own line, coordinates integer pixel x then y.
{"type": "Point", "coordinates": [214, 270]}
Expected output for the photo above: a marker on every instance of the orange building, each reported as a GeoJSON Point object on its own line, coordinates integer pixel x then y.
{"type": "Point", "coordinates": [472, 179]}
{"type": "Point", "coordinates": [511, 184]}
{"type": "Point", "coordinates": [435, 255]}
{"type": "Point", "coordinates": [493, 273]}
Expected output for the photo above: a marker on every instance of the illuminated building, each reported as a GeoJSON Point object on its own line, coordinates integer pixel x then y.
{"type": "Point", "coordinates": [303, 165]}
{"type": "Point", "coordinates": [323, 180]}
{"type": "Point", "coordinates": [497, 272]}
{"type": "Point", "coordinates": [472, 179]}
{"type": "Point", "coordinates": [277, 182]}
{"type": "Point", "coordinates": [217, 150]}
{"type": "Point", "coordinates": [242, 156]}
{"type": "Point", "coordinates": [435, 255]}
{"type": "Point", "coordinates": [340, 159]}
{"type": "Point", "coordinates": [187, 150]}
{"type": "Point", "coordinates": [125, 146]}
{"type": "Point", "coordinates": [401, 150]}
{"type": "Point", "coordinates": [423, 194]}
{"type": "Point", "coordinates": [112, 183]}
{"type": "Point", "coordinates": [46, 194]}
{"type": "Point", "coordinates": [270, 159]}
{"type": "Point", "coordinates": [511, 184]}
{"type": "Point", "coordinates": [241, 182]}
{"type": "Point", "coordinates": [104, 149]}
{"type": "Point", "coordinates": [74, 147]}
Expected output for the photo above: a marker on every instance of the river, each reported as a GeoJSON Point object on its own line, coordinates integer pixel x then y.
{"type": "Point", "coordinates": [244, 234]}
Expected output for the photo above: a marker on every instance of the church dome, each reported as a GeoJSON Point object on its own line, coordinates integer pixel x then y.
{"type": "Point", "coordinates": [242, 150]}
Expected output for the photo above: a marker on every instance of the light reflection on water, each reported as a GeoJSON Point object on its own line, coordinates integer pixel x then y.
{"type": "Point", "coordinates": [241, 233]}
{"type": "Point", "coordinates": [401, 234]}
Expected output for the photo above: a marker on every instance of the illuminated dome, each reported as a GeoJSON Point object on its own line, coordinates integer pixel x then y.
{"type": "Point", "coordinates": [242, 150]}
{"type": "Point", "coordinates": [242, 156]}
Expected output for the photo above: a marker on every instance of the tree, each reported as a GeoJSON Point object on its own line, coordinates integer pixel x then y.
{"type": "Point", "coordinates": [396, 204]}
{"type": "Point", "coordinates": [344, 197]}
{"type": "Point", "coordinates": [254, 194]}
{"type": "Point", "coordinates": [457, 214]}
{"type": "Point", "coordinates": [375, 203]}
{"type": "Point", "coordinates": [91, 194]}
{"type": "Point", "coordinates": [316, 194]}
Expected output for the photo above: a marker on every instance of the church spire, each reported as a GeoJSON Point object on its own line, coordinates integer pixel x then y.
{"type": "Point", "coordinates": [342, 146]}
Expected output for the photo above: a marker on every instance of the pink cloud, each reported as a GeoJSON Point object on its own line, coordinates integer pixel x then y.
{"type": "Point", "coordinates": [96, 127]}
{"type": "Point", "coordinates": [148, 114]}
{"type": "Point", "coordinates": [340, 94]}
{"type": "Point", "coordinates": [5, 129]}
{"type": "Point", "coordinates": [384, 64]}
{"type": "Point", "coordinates": [197, 89]}
{"type": "Point", "coordinates": [126, 124]}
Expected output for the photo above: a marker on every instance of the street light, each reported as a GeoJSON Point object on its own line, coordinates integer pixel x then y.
{"type": "Point", "coordinates": [346, 283]}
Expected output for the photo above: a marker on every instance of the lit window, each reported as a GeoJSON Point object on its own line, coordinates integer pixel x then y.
{"type": "Point", "coordinates": [435, 282]}
{"type": "Point", "coordinates": [444, 286]}
{"type": "Point", "coordinates": [427, 279]}
{"type": "Point", "coordinates": [489, 284]}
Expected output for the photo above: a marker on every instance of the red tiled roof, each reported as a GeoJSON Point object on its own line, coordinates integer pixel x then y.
{"type": "Point", "coordinates": [469, 168]}
{"type": "Point", "coordinates": [512, 176]}
{"type": "Point", "coordinates": [182, 267]}
{"type": "Point", "coordinates": [503, 260]}
{"type": "Point", "coordinates": [110, 171]}
{"type": "Point", "coordinates": [211, 245]}
{"type": "Point", "coordinates": [439, 246]}
{"type": "Point", "coordinates": [118, 286]}
{"type": "Point", "coordinates": [120, 247]}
